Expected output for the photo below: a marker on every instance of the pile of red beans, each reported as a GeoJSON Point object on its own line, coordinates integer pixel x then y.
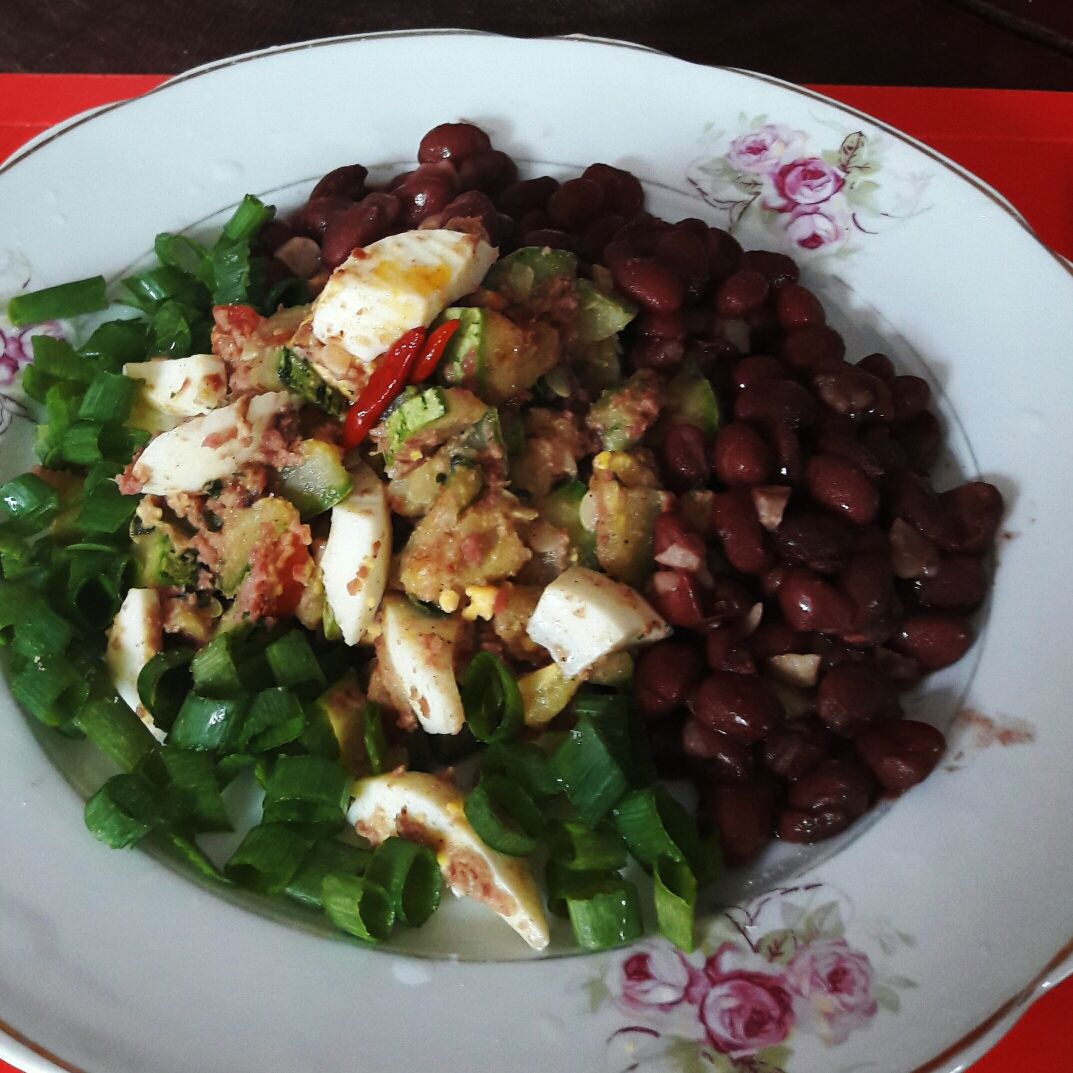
{"type": "Point", "coordinates": [812, 571]}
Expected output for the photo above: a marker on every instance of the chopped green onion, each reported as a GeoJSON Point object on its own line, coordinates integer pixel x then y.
{"type": "Point", "coordinates": [275, 718]}
{"type": "Point", "coordinates": [108, 398]}
{"type": "Point", "coordinates": [291, 291]}
{"type": "Point", "coordinates": [655, 825]}
{"type": "Point", "coordinates": [56, 357]}
{"type": "Point", "coordinates": [306, 789]}
{"type": "Point", "coordinates": [359, 907]}
{"type": "Point", "coordinates": [411, 877]}
{"type": "Point", "coordinates": [194, 789]}
{"type": "Point", "coordinates": [268, 858]}
{"type": "Point", "coordinates": [163, 684]}
{"type": "Point", "coordinates": [173, 332]}
{"type": "Point", "coordinates": [182, 846]}
{"type": "Point", "coordinates": [227, 666]}
{"type": "Point", "coordinates": [106, 510]}
{"type": "Point", "coordinates": [615, 716]}
{"type": "Point", "coordinates": [36, 383]}
{"type": "Point", "coordinates": [58, 303]}
{"type": "Point", "coordinates": [116, 731]}
{"type": "Point", "coordinates": [94, 580]}
{"type": "Point", "coordinates": [562, 883]}
{"type": "Point", "coordinates": [226, 269]}
{"type": "Point", "coordinates": [504, 816]}
{"type": "Point", "coordinates": [125, 809]}
{"type": "Point", "coordinates": [39, 631]}
{"type": "Point", "coordinates": [27, 504]}
{"type": "Point", "coordinates": [675, 889]}
{"type": "Point", "coordinates": [372, 729]}
{"type": "Point", "coordinates": [250, 216]}
{"type": "Point", "coordinates": [491, 699]}
{"type": "Point", "coordinates": [178, 251]}
{"type": "Point", "coordinates": [325, 857]}
{"type": "Point", "coordinates": [80, 444]}
{"type": "Point", "coordinates": [524, 763]}
{"type": "Point", "coordinates": [576, 846]}
{"type": "Point", "coordinates": [148, 289]}
{"type": "Point", "coordinates": [589, 771]}
{"type": "Point", "coordinates": [46, 687]}
{"type": "Point", "coordinates": [293, 663]}
{"type": "Point", "coordinates": [606, 916]}
{"type": "Point", "coordinates": [206, 723]}
{"type": "Point", "coordinates": [117, 342]}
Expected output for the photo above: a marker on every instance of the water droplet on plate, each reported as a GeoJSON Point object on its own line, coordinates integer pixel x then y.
{"type": "Point", "coordinates": [411, 973]}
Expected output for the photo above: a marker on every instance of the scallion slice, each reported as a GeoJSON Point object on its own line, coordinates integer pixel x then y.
{"type": "Point", "coordinates": [125, 809]}
{"type": "Point", "coordinates": [206, 723]}
{"type": "Point", "coordinates": [58, 303]}
{"type": "Point", "coordinates": [306, 789]}
{"type": "Point", "coordinates": [504, 816]}
{"type": "Point", "coordinates": [268, 858]}
{"type": "Point", "coordinates": [44, 684]}
{"type": "Point", "coordinates": [116, 731]}
{"type": "Point", "coordinates": [606, 916]}
{"type": "Point", "coordinates": [108, 398]}
{"type": "Point", "coordinates": [525, 763]}
{"type": "Point", "coordinates": [27, 504]}
{"type": "Point", "coordinates": [408, 872]}
{"type": "Point", "coordinates": [116, 342]}
{"type": "Point", "coordinates": [293, 663]}
{"type": "Point", "coordinates": [163, 684]}
{"type": "Point", "coordinates": [250, 216]}
{"type": "Point", "coordinates": [655, 825]}
{"type": "Point", "coordinates": [324, 858]}
{"type": "Point", "coordinates": [275, 718]}
{"type": "Point", "coordinates": [359, 907]}
{"type": "Point", "coordinates": [589, 771]}
{"type": "Point", "coordinates": [57, 358]}
{"type": "Point", "coordinates": [600, 849]}
{"type": "Point", "coordinates": [491, 699]}
{"type": "Point", "coordinates": [105, 509]}
{"type": "Point", "coordinates": [194, 791]}
{"type": "Point", "coordinates": [562, 883]}
{"type": "Point", "coordinates": [675, 889]}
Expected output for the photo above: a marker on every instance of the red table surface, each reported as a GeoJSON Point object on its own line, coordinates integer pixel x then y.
{"type": "Point", "coordinates": [1019, 141]}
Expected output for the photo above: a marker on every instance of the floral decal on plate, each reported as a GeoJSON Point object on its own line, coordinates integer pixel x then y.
{"type": "Point", "coordinates": [808, 201]}
{"type": "Point", "coordinates": [767, 976]}
{"type": "Point", "coordinates": [16, 352]}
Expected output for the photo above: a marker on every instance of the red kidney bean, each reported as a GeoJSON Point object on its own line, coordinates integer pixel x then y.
{"type": "Point", "coordinates": [920, 438]}
{"type": "Point", "coordinates": [902, 753]}
{"type": "Point", "coordinates": [521, 197]}
{"type": "Point", "coordinates": [730, 758]}
{"type": "Point", "coordinates": [641, 233]}
{"type": "Point", "coordinates": [852, 695]}
{"type": "Point", "coordinates": [453, 141]}
{"type": "Point", "coordinates": [880, 443]}
{"type": "Point", "coordinates": [738, 705]}
{"type": "Point", "coordinates": [808, 827]}
{"type": "Point", "coordinates": [665, 676]}
{"type": "Point", "coordinates": [648, 283]}
{"type": "Point", "coordinates": [935, 638]}
{"type": "Point", "coordinates": [551, 238]}
{"type": "Point", "coordinates": [772, 580]}
{"type": "Point", "coordinates": [622, 191]}
{"type": "Point", "coordinates": [696, 509]}
{"type": "Point", "coordinates": [913, 499]}
{"type": "Point", "coordinates": [685, 254]}
{"type": "Point", "coordinates": [656, 353]}
{"type": "Point", "coordinates": [422, 196]}
{"type": "Point", "coordinates": [913, 555]}
{"type": "Point", "coordinates": [847, 391]}
{"type": "Point", "coordinates": [797, 307]}
{"type": "Point", "coordinates": [676, 596]}
{"type": "Point", "coordinates": [368, 221]}
{"type": "Point", "coordinates": [878, 365]}
{"type": "Point", "coordinates": [959, 584]}
{"type": "Point", "coordinates": [684, 454]}
{"type": "Point", "coordinates": [977, 509]}
{"type": "Point", "coordinates": [834, 785]}
{"type": "Point", "coordinates": [313, 217]}
{"type": "Point", "coordinates": [911, 396]}
{"type": "Point", "coordinates": [744, 814]}
{"type": "Point", "coordinates": [728, 599]}
{"type": "Point", "coordinates": [576, 202]}
{"type": "Point", "coordinates": [740, 456]}
{"type": "Point", "coordinates": [776, 401]}
{"type": "Point", "coordinates": [741, 294]}
{"type": "Point", "coordinates": [347, 181]}
{"type": "Point", "coordinates": [774, 638]}
{"type": "Point", "coordinates": [843, 488]}
{"type": "Point", "coordinates": [777, 268]}
{"type": "Point", "coordinates": [868, 583]}
{"type": "Point", "coordinates": [795, 749]}
{"type": "Point", "coordinates": [489, 172]}
{"type": "Point", "coordinates": [814, 348]}
{"type": "Point", "coordinates": [902, 671]}
{"type": "Point", "coordinates": [738, 527]}
{"type": "Point", "coordinates": [676, 545]}
{"type": "Point", "coordinates": [765, 334]}
{"type": "Point", "coordinates": [593, 239]}
{"type": "Point", "coordinates": [273, 234]}
{"type": "Point", "coordinates": [818, 541]}
{"type": "Point", "coordinates": [724, 253]}
{"type": "Point", "coordinates": [810, 603]}
{"type": "Point", "coordinates": [789, 457]}
{"type": "Point", "coordinates": [755, 368]}
{"type": "Point", "coordinates": [662, 325]}
{"type": "Point", "coordinates": [724, 652]}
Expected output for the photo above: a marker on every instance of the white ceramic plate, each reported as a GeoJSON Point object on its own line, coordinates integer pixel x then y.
{"type": "Point", "coordinates": [909, 948]}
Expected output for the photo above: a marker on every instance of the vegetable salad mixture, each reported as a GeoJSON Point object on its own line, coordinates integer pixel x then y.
{"type": "Point", "coordinates": [375, 509]}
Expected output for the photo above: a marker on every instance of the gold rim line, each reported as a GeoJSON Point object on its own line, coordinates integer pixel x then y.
{"type": "Point", "coordinates": [1031, 991]}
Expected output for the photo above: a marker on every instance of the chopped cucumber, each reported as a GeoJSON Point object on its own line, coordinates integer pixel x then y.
{"type": "Point", "coordinates": [318, 481]}
{"type": "Point", "coordinates": [243, 530]}
{"type": "Point", "coordinates": [600, 315]}
{"type": "Point", "coordinates": [521, 275]}
{"type": "Point", "coordinates": [690, 400]}
{"type": "Point", "coordinates": [299, 376]}
{"type": "Point", "coordinates": [159, 563]}
{"type": "Point", "coordinates": [414, 411]}
{"type": "Point", "coordinates": [562, 508]}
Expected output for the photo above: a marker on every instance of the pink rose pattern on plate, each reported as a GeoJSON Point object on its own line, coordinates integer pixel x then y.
{"type": "Point", "coordinates": [16, 352]}
{"type": "Point", "coordinates": [808, 202]}
{"type": "Point", "coordinates": [778, 968]}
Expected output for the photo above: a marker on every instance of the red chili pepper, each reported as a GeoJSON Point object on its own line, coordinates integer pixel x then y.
{"type": "Point", "coordinates": [425, 365]}
{"type": "Point", "coordinates": [388, 379]}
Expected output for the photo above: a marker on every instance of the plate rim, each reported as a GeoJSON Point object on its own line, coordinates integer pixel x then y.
{"type": "Point", "coordinates": [15, 1046]}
